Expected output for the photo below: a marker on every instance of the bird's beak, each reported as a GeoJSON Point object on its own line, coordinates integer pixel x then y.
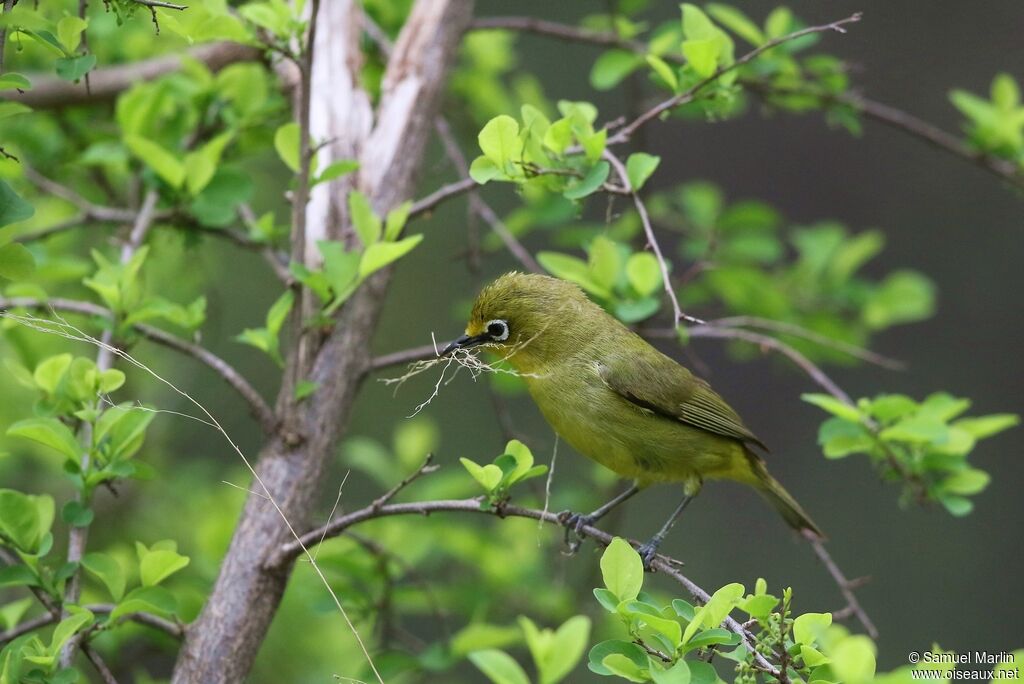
{"type": "Point", "coordinates": [464, 342]}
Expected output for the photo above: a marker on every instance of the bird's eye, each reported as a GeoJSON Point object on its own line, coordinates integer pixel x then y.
{"type": "Point", "coordinates": [497, 330]}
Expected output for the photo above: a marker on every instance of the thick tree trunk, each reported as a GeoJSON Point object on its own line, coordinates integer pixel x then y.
{"type": "Point", "coordinates": [223, 642]}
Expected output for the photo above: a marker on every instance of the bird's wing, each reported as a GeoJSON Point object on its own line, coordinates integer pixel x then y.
{"type": "Point", "coordinates": [655, 382]}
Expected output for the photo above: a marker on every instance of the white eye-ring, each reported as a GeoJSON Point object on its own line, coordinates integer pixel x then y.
{"type": "Point", "coordinates": [497, 330]}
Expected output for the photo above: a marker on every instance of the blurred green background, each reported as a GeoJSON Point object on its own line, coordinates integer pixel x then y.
{"type": "Point", "coordinates": [934, 578]}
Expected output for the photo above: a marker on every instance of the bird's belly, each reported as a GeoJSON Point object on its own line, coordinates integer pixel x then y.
{"type": "Point", "coordinates": [626, 439]}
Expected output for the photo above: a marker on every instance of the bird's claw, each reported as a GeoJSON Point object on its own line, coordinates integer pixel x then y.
{"type": "Point", "coordinates": [647, 553]}
{"type": "Point", "coordinates": [574, 524]}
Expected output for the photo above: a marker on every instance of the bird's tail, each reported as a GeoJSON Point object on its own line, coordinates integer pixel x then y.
{"type": "Point", "coordinates": [783, 501]}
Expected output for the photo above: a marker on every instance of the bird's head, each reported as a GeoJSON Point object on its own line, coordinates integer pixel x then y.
{"type": "Point", "coordinates": [528, 318]}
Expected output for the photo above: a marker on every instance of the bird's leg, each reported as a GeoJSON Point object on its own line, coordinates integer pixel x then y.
{"type": "Point", "coordinates": [575, 522]}
{"type": "Point", "coordinates": [647, 551]}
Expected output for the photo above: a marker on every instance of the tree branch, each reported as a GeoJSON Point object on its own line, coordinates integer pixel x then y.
{"type": "Point", "coordinates": [107, 83]}
{"type": "Point", "coordinates": [553, 29]}
{"type": "Point", "coordinates": [289, 551]}
{"type": "Point", "coordinates": [229, 374]}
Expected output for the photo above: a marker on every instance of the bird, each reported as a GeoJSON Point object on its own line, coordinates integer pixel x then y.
{"type": "Point", "coordinates": [617, 400]}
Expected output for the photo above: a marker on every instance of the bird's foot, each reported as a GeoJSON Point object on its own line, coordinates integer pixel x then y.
{"type": "Point", "coordinates": [574, 524]}
{"type": "Point", "coordinates": [648, 551]}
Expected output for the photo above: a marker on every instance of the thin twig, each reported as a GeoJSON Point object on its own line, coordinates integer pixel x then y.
{"type": "Point", "coordinates": [403, 357]}
{"type": "Point", "coordinates": [652, 240]}
{"type": "Point", "coordinates": [97, 662]}
{"type": "Point", "coordinates": [430, 202]}
{"type": "Point", "coordinates": [845, 585]}
{"type": "Point", "coordinates": [799, 331]}
{"type": "Point", "coordinates": [425, 469]}
{"type": "Point", "coordinates": [903, 121]}
{"type": "Point", "coordinates": [624, 133]}
{"type": "Point", "coordinates": [89, 209]}
{"type": "Point", "coordinates": [227, 372]}
{"type": "Point", "coordinates": [159, 3]}
{"type": "Point", "coordinates": [557, 30]}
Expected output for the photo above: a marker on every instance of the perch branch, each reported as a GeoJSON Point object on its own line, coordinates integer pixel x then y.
{"type": "Point", "coordinates": [845, 586]}
{"type": "Point", "coordinates": [289, 551]}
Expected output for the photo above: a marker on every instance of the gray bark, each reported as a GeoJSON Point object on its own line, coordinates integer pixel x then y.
{"type": "Point", "coordinates": [223, 642]}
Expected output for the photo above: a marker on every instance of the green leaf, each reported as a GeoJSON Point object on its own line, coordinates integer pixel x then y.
{"type": "Point", "coordinates": [75, 514]}
{"type": "Point", "coordinates": [337, 170]}
{"type": "Point", "coordinates": [278, 312]}
{"type": "Point", "coordinates": [566, 649]}
{"type": "Point", "coordinates": [499, 667]}
{"type": "Point", "coordinates": [956, 505]}
{"type": "Point", "coordinates": [601, 651]}
{"type": "Point", "coordinates": [499, 141]}
{"type": "Point", "coordinates": [483, 169]}
{"type": "Point", "coordinates": [74, 68]}
{"type": "Point", "coordinates": [49, 432]}
{"type": "Point", "coordinates": [396, 220]}
{"type": "Point", "coordinates": [840, 438]}
{"type": "Point", "coordinates": [145, 600]}
{"type": "Point", "coordinates": [11, 613]}
{"type": "Point", "coordinates": [24, 519]}
{"type": "Point", "coordinates": [590, 183]}
{"type": "Point", "coordinates": [305, 389]}
{"type": "Point", "coordinates": [69, 32]}
{"type": "Point", "coordinates": [605, 262]}
{"type": "Point", "coordinates": [624, 667]}
{"type": "Point", "coordinates": [9, 109]}
{"type": "Point", "coordinates": [165, 164]}
{"type": "Point", "coordinates": [639, 168]}
{"type": "Point", "coordinates": [917, 429]}
{"type": "Point", "coordinates": [159, 564]}
{"type": "Point", "coordinates": [853, 659]}
{"type": "Point", "coordinates": [677, 674]}
{"type": "Point", "coordinates": [489, 476]}
{"type": "Point", "coordinates": [108, 570]}
{"type": "Point", "coordinates": [14, 81]}
{"type": "Point", "coordinates": [17, 576]}
{"type": "Point", "coordinates": [622, 570]}
{"type": "Point", "coordinates": [986, 426]}
{"type": "Point", "coordinates": [79, 619]}
{"type": "Point", "coordinates": [737, 22]}
{"type": "Point", "coordinates": [834, 406]}
{"type": "Point", "coordinates": [664, 71]}
{"type": "Point", "coordinates": [809, 627]}
{"type": "Point", "coordinates": [16, 262]}
{"type": "Point", "coordinates": [201, 165]}
{"type": "Point", "coordinates": [572, 269]}
{"type": "Point", "coordinates": [702, 55]}
{"type": "Point", "coordinates": [286, 142]}
{"type": "Point", "coordinates": [966, 482]}
{"type": "Point", "coordinates": [643, 273]}
{"type": "Point", "coordinates": [366, 223]}
{"type": "Point", "coordinates": [380, 254]}
{"type": "Point", "coordinates": [711, 614]}
{"type": "Point", "coordinates": [12, 207]}
{"type": "Point", "coordinates": [613, 66]}
{"type": "Point", "coordinates": [903, 297]}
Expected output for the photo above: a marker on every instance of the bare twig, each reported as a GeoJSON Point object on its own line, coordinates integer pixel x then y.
{"type": "Point", "coordinates": [8, 4]}
{"type": "Point", "coordinates": [430, 202]}
{"type": "Point", "coordinates": [817, 338]}
{"type": "Point", "coordinates": [557, 30]}
{"type": "Point", "coordinates": [97, 662]}
{"type": "Point", "coordinates": [845, 586]}
{"type": "Point", "coordinates": [652, 240]}
{"type": "Point", "coordinates": [425, 469]}
{"type": "Point", "coordinates": [403, 357]}
{"type": "Point", "coordinates": [228, 373]}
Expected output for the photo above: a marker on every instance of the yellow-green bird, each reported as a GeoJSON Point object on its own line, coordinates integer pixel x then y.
{"type": "Point", "coordinates": [618, 400]}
